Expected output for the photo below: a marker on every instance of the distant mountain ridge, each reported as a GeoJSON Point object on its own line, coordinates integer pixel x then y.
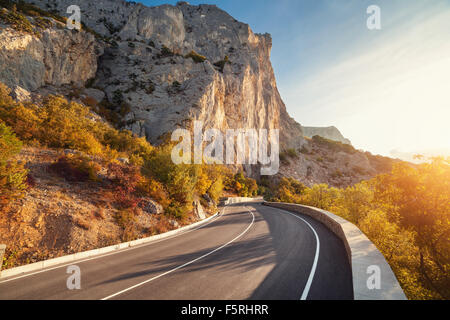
{"type": "Point", "coordinates": [331, 133]}
{"type": "Point", "coordinates": [419, 156]}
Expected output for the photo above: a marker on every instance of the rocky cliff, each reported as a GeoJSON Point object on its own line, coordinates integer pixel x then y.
{"type": "Point", "coordinates": [167, 66]}
{"type": "Point", "coordinates": [155, 69]}
{"type": "Point", "coordinates": [55, 57]}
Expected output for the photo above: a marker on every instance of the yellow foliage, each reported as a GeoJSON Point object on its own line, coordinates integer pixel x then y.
{"type": "Point", "coordinates": [12, 174]}
{"type": "Point", "coordinates": [406, 215]}
{"type": "Point", "coordinates": [320, 196]}
{"type": "Point", "coordinates": [62, 124]}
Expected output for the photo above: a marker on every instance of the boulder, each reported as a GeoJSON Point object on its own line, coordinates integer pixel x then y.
{"type": "Point", "coordinates": [124, 160]}
{"type": "Point", "coordinates": [96, 94]}
{"type": "Point", "coordinates": [198, 210]}
{"type": "Point", "coordinates": [151, 207]}
{"type": "Point", "coordinates": [56, 57]}
{"type": "Point", "coordinates": [174, 224]}
{"type": "Point", "coordinates": [211, 202]}
{"type": "Point", "coordinates": [21, 94]}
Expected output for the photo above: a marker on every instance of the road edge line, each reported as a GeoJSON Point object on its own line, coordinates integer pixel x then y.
{"type": "Point", "coordinates": [184, 265]}
{"type": "Point", "coordinates": [316, 256]}
{"type": "Point", "coordinates": [79, 257]}
{"type": "Point", "coordinates": [362, 254]}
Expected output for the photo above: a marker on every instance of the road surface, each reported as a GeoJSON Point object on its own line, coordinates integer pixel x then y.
{"type": "Point", "coordinates": [249, 252]}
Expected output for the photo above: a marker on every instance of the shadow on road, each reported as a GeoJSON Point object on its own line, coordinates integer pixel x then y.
{"type": "Point", "coordinates": [275, 240]}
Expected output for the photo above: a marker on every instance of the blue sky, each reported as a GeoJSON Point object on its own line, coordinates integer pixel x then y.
{"type": "Point", "coordinates": [385, 89]}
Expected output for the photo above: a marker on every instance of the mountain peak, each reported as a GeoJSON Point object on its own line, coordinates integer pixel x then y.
{"type": "Point", "coordinates": [331, 133]}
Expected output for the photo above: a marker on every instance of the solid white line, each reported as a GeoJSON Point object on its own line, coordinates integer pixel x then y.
{"type": "Point", "coordinates": [184, 265]}
{"type": "Point", "coordinates": [316, 258]}
{"type": "Point", "coordinates": [112, 253]}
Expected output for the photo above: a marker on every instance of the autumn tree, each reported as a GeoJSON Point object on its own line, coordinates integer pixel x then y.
{"type": "Point", "coordinates": [12, 174]}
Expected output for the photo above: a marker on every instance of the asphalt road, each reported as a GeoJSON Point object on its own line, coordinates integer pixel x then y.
{"type": "Point", "coordinates": [249, 252]}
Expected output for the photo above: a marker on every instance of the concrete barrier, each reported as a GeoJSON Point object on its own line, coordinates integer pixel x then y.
{"type": "Point", "coordinates": [73, 258]}
{"type": "Point", "coordinates": [364, 257]}
{"type": "Point", "coordinates": [228, 201]}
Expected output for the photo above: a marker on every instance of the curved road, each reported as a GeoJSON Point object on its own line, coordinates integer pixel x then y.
{"type": "Point", "coordinates": [249, 252]}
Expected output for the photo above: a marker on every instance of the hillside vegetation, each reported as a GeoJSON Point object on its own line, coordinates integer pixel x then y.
{"type": "Point", "coordinates": [405, 213]}
{"type": "Point", "coordinates": [125, 171]}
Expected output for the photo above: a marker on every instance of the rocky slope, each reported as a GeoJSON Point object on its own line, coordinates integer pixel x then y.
{"type": "Point", "coordinates": [58, 217]}
{"type": "Point", "coordinates": [335, 163]}
{"type": "Point", "coordinates": [156, 69]}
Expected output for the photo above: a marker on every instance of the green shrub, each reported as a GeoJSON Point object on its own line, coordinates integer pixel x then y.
{"type": "Point", "coordinates": [221, 64]}
{"type": "Point", "coordinates": [198, 58]}
{"type": "Point", "coordinates": [284, 158]}
{"type": "Point", "coordinates": [335, 146]}
{"type": "Point", "coordinates": [216, 189]}
{"type": "Point", "coordinates": [117, 97]}
{"type": "Point", "coordinates": [42, 23]}
{"type": "Point", "coordinates": [243, 186]}
{"type": "Point", "coordinates": [177, 210]}
{"type": "Point", "coordinates": [13, 176]}
{"type": "Point", "coordinates": [106, 110]}
{"type": "Point", "coordinates": [305, 150]}
{"type": "Point", "coordinates": [288, 190]}
{"type": "Point", "coordinates": [126, 180]}
{"type": "Point", "coordinates": [165, 52]}
{"type": "Point", "coordinates": [150, 187]}
{"type": "Point", "coordinates": [126, 219]}
{"type": "Point", "coordinates": [292, 153]}
{"type": "Point", "coordinates": [76, 168]}
{"type": "Point", "coordinates": [150, 89]}
{"type": "Point", "coordinates": [17, 20]}
{"type": "Point", "coordinates": [30, 10]}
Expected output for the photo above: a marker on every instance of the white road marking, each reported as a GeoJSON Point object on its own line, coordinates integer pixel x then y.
{"type": "Point", "coordinates": [316, 258]}
{"type": "Point", "coordinates": [184, 265]}
{"type": "Point", "coordinates": [112, 253]}
{"type": "Point", "coordinates": [304, 294]}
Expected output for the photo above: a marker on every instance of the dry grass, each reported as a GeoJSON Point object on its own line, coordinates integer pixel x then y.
{"type": "Point", "coordinates": [161, 225]}
{"type": "Point", "coordinates": [82, 223]}
{"type": "Point", "coordinates": [61, 195]}
{"type": "Point", "coordinates": [100, 213]}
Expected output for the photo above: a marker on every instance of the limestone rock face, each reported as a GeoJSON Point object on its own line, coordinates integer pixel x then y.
{"type": "Point", "coordinates": [161, 68]}
{"type": "Point", "coordinates": [56, 58]}
{"type": "Point", "coordinates": [147, 68]}
{"type": "Point", "coordinates": [198, 209]}
{"type": "Point", "coordinates": [70, 57]}
{"type": "Point", "coordinates": [21, 59]}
